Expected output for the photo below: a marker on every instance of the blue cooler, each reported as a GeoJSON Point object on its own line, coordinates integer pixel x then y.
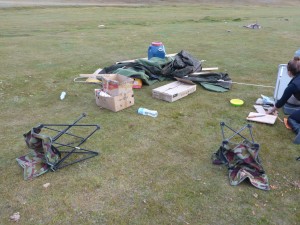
{"type": "Point", "coordinates": [156, 49]}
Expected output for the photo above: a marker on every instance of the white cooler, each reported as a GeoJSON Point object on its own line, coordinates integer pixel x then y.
{"type": "Point", "coordinates": [282, 82]}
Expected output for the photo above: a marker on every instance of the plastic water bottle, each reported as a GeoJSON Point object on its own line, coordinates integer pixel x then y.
{"type": "Point", "coordinates": [147, 112]}
{"type": "Point", "coordinates": [62, 95]}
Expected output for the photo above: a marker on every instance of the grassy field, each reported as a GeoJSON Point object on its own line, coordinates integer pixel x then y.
{"type": "Point", "coordinates": [150, 170]}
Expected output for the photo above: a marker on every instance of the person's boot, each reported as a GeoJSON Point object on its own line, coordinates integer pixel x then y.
{"type": "Point", "coordinates": [296, 128]}
{"type": "Point", "coordinates": [297, 139]}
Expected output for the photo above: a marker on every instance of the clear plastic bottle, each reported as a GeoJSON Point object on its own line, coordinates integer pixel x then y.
{"type": "Point", "coordinates": [147, 112]}
{"type": "Point", "coordinates": [62, 95]}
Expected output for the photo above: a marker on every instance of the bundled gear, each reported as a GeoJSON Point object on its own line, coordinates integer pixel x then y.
{"type": "Point", "coordinates": [183, 65]}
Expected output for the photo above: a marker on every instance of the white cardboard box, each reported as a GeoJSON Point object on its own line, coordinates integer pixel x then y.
{"type": "Point", "coordinates": [173, 91]}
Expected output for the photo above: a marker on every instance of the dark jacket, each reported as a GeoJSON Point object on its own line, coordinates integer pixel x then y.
{"type": "Point", "coordinates": [293, 88]}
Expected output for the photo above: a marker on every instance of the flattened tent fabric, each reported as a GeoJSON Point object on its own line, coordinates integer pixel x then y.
{"type": "Point", "coordinates": [219, 82]}
{"type": "Point", "coordinates": [149, 71]}
{"type": "Point", "coordinates": [182, 65]}
{"type": "Point", "coordinates": [157, 69]}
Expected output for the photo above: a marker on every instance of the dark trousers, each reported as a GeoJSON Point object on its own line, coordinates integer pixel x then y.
{"type": "Point", "coordinates": [294, 121]}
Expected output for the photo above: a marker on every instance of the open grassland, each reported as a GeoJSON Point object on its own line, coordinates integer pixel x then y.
{"type": "Point", "coordinates": [150, 170]}
{"type": "Point", "coordinates": [14, 3]}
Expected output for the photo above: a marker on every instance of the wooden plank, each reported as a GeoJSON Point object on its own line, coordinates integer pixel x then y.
{"type": "Point", "coordinates": [210, 68]}
{"type": "Point", "coordinates": [91, 75]}
{"type": "Point", "coordinates": [184, 80]}
{"type": "Point", "coordinates": [132, 60]}
{"type": "Point", "coordinates": [199, 73]}
{"type": "Point", "coordinates": [91, 80]}
{"type": "Point", "coordinates": [205, 71]}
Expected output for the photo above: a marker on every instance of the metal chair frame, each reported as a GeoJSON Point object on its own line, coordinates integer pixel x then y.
{"type": "Point", "coordinates": [73, 148]}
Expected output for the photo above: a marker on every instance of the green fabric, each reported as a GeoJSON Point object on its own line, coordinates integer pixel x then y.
{"type": "Point", "coordinates": [213, 87]}
{"type": "Point", "coordinates": [157, 69]}
{"type": "Point", "coordinates": [129, 72]}
{"type": "Point", "coordinates": [142, 69]}
{"type": "Point", "coordinates": [43, 144]}
{"type": "Point", "coordinates": [155, 61]}
{"type": "Point", "coordinates": [42, 155]}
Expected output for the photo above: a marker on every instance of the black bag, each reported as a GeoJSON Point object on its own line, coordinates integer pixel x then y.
{"type": "Point", "coordinates": [183, 64]}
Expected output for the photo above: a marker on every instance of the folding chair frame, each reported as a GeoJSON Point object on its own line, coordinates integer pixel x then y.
{"type": "Point", "coordinates": [73, 147]}
{"type": "Point", "coordinates": [226, 140]}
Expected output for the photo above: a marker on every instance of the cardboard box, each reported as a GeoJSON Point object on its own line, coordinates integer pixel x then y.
{"type": "Point", "coordinates": [116, 84]}
{"type": "Point", "coordinates": [115, 103]}
{"type": "Point", "coordinates": [173, 91]}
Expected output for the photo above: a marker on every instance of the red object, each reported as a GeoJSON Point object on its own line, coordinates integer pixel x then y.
{"type": "Point", "coordinates": [156, 43]}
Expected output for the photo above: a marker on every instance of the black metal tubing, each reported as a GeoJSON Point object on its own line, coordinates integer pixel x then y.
{"type": "Point", "coordinates": [73, 149]}
{"type": "Point", "coordinates": [49, 128]}
{"type": "Point", "coordinates": [67, 128]}
{"type": "Point", "coordinates": [97, 127]}
{"type": "Point", "coordinates": [222, 124]}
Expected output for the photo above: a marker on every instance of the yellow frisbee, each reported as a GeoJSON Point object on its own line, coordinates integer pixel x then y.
{"type": "Point", "coordinates": [236, 102]}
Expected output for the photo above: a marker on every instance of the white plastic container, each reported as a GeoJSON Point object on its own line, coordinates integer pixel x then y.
{"type": "Point", "coordinates": [62, 95]}
{"type": "Point", "coordinates": [147, 112]}
{"type": "Point", "coordinates": [282, 81]}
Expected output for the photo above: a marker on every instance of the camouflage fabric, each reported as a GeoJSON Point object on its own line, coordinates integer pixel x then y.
{"type": "Point", "coordinates": [243, 162]}
{"type": "Point", "coordinates": [42, 144]}
{"type": "Point", "coordinates": [42, 157]}
{"type": "Point", "coordinates": [33, 165]}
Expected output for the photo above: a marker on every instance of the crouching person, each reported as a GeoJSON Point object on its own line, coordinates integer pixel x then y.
{"type": "Point", "coordinates": [294, 123]}
{"type": "Point", "coordinates": [292, 95]}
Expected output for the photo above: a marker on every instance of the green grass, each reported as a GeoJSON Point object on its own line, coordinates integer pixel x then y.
{"type": "Point", "coordinates": [151, 170]}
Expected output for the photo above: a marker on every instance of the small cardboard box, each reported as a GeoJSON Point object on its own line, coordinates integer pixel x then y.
{"type": "Point", "coordinates": [173, 91]}
{"type": "Point", "coordinates": [116, 84]}
{"type": "Point", "coordinates": [115, 103]}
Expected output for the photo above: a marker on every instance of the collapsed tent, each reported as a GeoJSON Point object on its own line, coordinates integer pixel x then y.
{"type": "Point", "coordinates": [219, 82]}
{"type": "Point", "coordinates": [183, 65]}
{"type": "Point", "coordinates": [149, 71]}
